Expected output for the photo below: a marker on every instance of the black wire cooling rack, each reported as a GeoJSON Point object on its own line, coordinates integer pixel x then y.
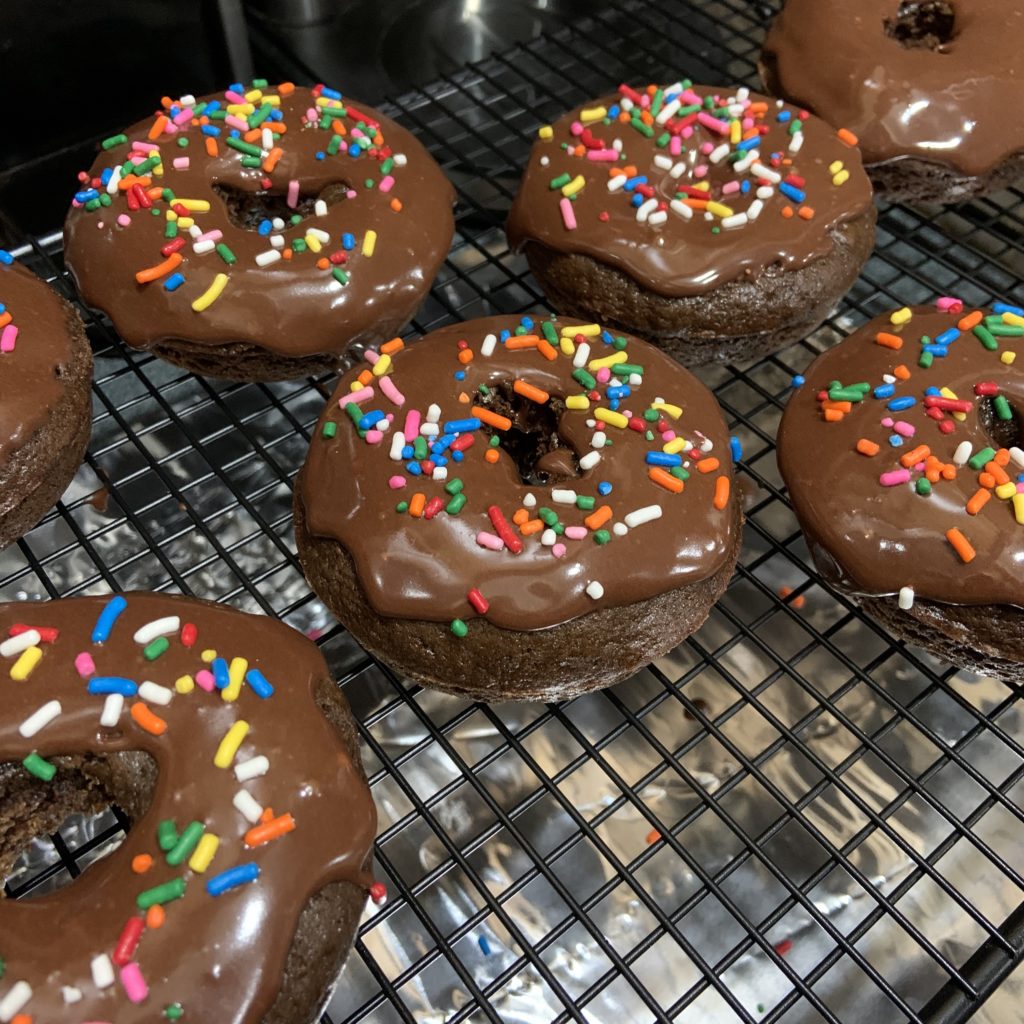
{"type": "Point", "coordinates": [792, 817]}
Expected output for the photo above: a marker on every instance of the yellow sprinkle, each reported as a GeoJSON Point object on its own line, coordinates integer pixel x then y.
{"type": "Point", "coordinates": [22, 668]}
{"type": "Point", "coordinates": [841, 178]}
{"type": "Point", "coordinates": [835, 167]}
{"type": "Point", "coordinates": [673, 410]}
{"type": "Point", "coordinates": [704, 186]}
{"type": "Point", "coordinates": [196, 205]}
{"type": "Point", "coordinates": [735, 132]}
{"type": "Point", "coordinates": [184, 684]}
{"type": "Point", "coordinates": [546, 132]}
{"type": "Point", "coordinates": [599, 364]}
{"type": "Point", "coordinates": [675, 446]}
{"type": "Point", "coordinates": [240, 108]}
{"type": "Point", "coordinates": [210, 296]}
{"type": "Point", "coordinates": [1013, 319]}
{"type": "Point", "coordinates": [947, 393]}
{"type": "Point", "coordinates": [185, 222]}
{"type": "Point", "coordinates": [326, 101]}
{"type": "Point", "coordinates": [574, 186]}
{"type": "Point", "coordinates": [567, 345]}
{"type": "Point", "coordinates": [591, 114]}
{"type": "Point", "coordinates": [313, 243]}
{"type": "Point", "coordinates": [901, 316]}
{"type": "Point", "coordinates": [274, 101]}
{"type": "Point", "coordinates": [382, 365]}
{"type": "Point", "coordinates": [355, 386]}
{"type": "Point", "coordinates": [171, 215]}
{"type": "Point", "coordinates": [236, 676]}
{"type": "Point", "coordinates": [158, 170]}
{"type": "Point", "coordinates": [1007, 490]}
{"type": "Point", "coordinates": [719, 209]}
{"type": "Point", "coordinates": [253, 95]}
{"type": "Point", "coordinates": [577, 402]}
{"type": "Point", "coordinates": [1008, 357]}
{"type": "Point", "coordinates": [230, 744]}
{"type": "Point", "coordinates": [1018, 508]}
{"type": "Point", "coordinates": [613, 419]}
{"type": "Point", "coordinates": [208, 655]}
{"type": "Point", "coordinates": [369, 243]}
{"type": "Point", "coordinates": [204, 853]}
{"type": "Point", "coordinates": [587, 330]}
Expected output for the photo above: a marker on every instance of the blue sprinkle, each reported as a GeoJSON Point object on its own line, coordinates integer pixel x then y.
{"type": "Point", "coordinates": [798, 380]}
{"type": "Point", "coordinates": [947, 336]}
{"type": "Point", "coordinates": [637, 200]}
{"type": "Point", "coordinates": [414, 468]}
{"type": "Point", "coordinates": [901, 403]}
{"type": "Point", "coordinates": [212, 106]}
{"type": "Point", "coordinates": [371, 419]}
{"type": "Point", "coordinates": [736, 448]}
{"type": "Point", "coordinates": [460, 374]}
{"type": "Point", "coordinates": [86, 194]}
{"type": "Point", "coordinates": [623, 391]}
{"type": "Point", "coordinates": [783, 116]}
{"type": "Point", "coordinates": [485, 946]}
{"type": "Point", "coordinates": [936, 350]}
{"type": "Point", "coordinates": [663, 459]}
{"type": "Point", "coordinates": [113, 684]}
{"type": "Point", "coordinates": [235, 133]}
{"type": "Point", "coordinates": [613, 111]}
{"type": "Point", "coordinates": [604, 488]}
{"type": "Point", "coordinates": [932, 390]}
{"type": "Point", "coordinates": [443, 442]}
{"type": "Point", "coordinates": [174, 282]}
{"type": "Point", "coordinates": [440, 461]}
{"type": "Point", "coordinates": [792, 192]}
{"type": "Point", "coordinates": [211, 129]}
{"type": "Point", "coordinates": [348, 240]}
{"type": "Point", "coordinates": [109, 615]}
{"type": "Point", "coordinates": [457, 456]}
{"type": "Point", "coordinates": [895, 440]}
{"type": "Point", "coordinates": [885, 391]}
{"type": "Point", "coordinates": [750, 143]}
{"type": "Point", "coordinates": [276, 115]}
{"type": "Point", "coordinates": [108, 173]}
{"type": "Point", "coordinates": [614, 403]}
{"type": "Point", "coordinates": [265, 227]}
{"type": "Point", "coordinates": [259, 683]}
{"type": "Point", "coordinates": [221, 676]}
{"type": "Point", "coordinates": [461, 426]}
{"type": "Point", "coordinates": [631, 183]}
{"type": "Point", "coordinates": [527, 322]}
{"type": "Point", "coordinates": [606, 337]}
{"type": "Point", "coordinates": [331, 94]}
{"type": "Point", "coordinates": [504, 336]}
{"type": "Point", "coordinates": [407, 452]}
{"type": "Point", "coordinates": [237, 87]}
{"type": "Point", "coordinates": [1002, 307]}
{"type": "Point", "coordinates": [3, 309]}
{"type": "Point", "coordinates": [745, 186]}
{"type": "Point", "coordinates": [232, 879]}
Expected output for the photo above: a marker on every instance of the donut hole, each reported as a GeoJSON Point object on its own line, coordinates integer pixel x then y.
{"type": "Point", "coordinates": [248, 210]}
{"type": "Point", "coordinates": [532, 442]}
{"type": "Point", "coordinates": [1002, 433]}
{"type": "Point", "coordinates": [922, 24]}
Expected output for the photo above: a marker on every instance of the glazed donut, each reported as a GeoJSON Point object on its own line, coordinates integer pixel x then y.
{"type": "Point", "coordinates": [237, 891]}
{"type": "Point", "coordinates": [932, 87]}
{"type": "Point", "coordinates": [902, 455]}
{"type": "Point", "coordinates": [519, 508]}
{"type": "Point", "coordinates": [45, 403]}
{"type": "Point", "coordinates": [720, 225]}
{"type": "Point", "coordinates": [256, 234]}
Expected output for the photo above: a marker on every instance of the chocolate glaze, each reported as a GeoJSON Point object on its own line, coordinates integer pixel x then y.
{"type": "Point", "coordinates": [959, 105]}
{"type": "Point", "coordinates": [220, 957]}
{"type": "Point", "coordinates": [874, 539]}
{"type": "Point", "coordinates": [418, 569]}
{"type": "Point", "coordinates": [289, 307]}
{"type": "Point", "coordinates": [683, 257]}
{"type": "Point", "coordinates": [30, 384]}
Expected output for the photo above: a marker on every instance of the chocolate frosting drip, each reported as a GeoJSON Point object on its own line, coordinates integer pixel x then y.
{"type": "Point", "coordinates": [291, 306]}
{"type": "Point", "coordinates": [220, 957]}
{"type": "Point", "coordinates": [876, 539]}
{"type": "Point", "coordinates": [681, 257]}
{"type": "Point", "coordinates": [420, 569]}
{"type": "Point", "coordinates": [959, 105]}
{"type": "Point", "coordinates": [30, 384]}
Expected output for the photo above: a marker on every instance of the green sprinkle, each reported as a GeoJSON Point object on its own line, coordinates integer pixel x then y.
{"type": "Point", "coordinates": [257, 83]}
{"type": "Point", "coordinates": [453, 486]}
{"type": "Point", "coordinates": [339, 275]}
{"type": "Point", "coordinates": [562, 179]}
{"type": "Point", "coordinates": [679, 473]}
{"type": "Point", "coordinates": [155, 648]}
{"type": "Point", "coordinates": [845, 395]}
{"type": "Point", "coordinates": [581, 376]}
{"type": "Point", "coordinates": [174, 1012]}
{"type": "Point", "coordinates": [299, 245]}
{"type": "Point", "coordinates": [985, 336]}
{"type": "Point", "coordinates": [484, 390]}
{"type": "Point", "coordinates": [186, 844]}
{"type": "Point", "coordinates": [226, 254]}
{"type": "Point", "coordinates": [354, 412]}
{"type": "Point", "coordinates": [648, 435]}
{"type": "Point", "coordinates": [369, 183]}
{"type": "Point", "coordinates": [40, 768]}
{"type": "Point", "coordinates": [454, 507]}
{"type": "Point", "coordinates": [257, 117]}
{"type": "Point", "coordinates": [114, 140]}
{"type": "Point", "coordinates": [602, 536]}
{"type": "Point", "coordinates": [166, 835]}
{"type": "Point", "coordinates": [926, 359]}
{"type": "Point", "coordinates": [923, 486]}
{"type": "Point", "coordinates": [251, 161]}
{"type": "Point", "coordinates": [294, 219]}
{"type": "Point", "coordinates": [402, 506]}
{"type": "Point", "coordinates": [3, 968]}
{"type": "Point", "coordinates": [93, 204]}
{"type": "Point", "coordinates": [183, 142]}
{"type": "Point", "coordinates": [459, 628]}
{"type": "Point", "coordinates": [625, 369]}
{"type": "Point", "coordinates": [978, 461]}
{"type": "Point", "coordinates": [548, 330]}
{"type": "Point", "coordinates": [146, 166]}
{"type": "Point", "coordinates": [585, 502]}
{"type": "Point", "coordinates": [1008, 331]}
{"type": "Point", "coordinates": [419, 447]}
{"type": "Point", "coordinates": [171, 229]}
{"type": "Point", "coordinates": [334, 145]}
{"type": "Point", "coordinates": [243, 147]}
{"type": "Point", "coordinates": [548, 516]}
{"type": "Point", "coordinates": [1002, 408]}
{"type": "Point", "coordinates": [656, 102]}
{"type": "Point", "coordinates": [619, 344]}
{"type": "Point", "coordinates": [330, 429]}
{"type": "Point", "coordinates": [160, 894]}
{"type": "Point", "coordinates": [494, 441]}
{"type": "Point", "coordinates": [644, 129]}
{"type": "Point", "coordinates": [105, 200]}
{"type": "Point", "coordinates": [662, 140]}
{"type": "Point", "coordinates": [387, 165]}
{"type": "Point", "coordinates": [559, 528]}
{"type": "Point", "coordinates": [652, 415]}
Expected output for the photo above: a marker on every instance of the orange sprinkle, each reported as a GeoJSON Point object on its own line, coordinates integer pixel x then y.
{"type": "Point", "coordinates": [21, 1018]}
{"type": "Point", "coordinates": [286, 88]}
{"type": "Point", "coordinates": [838, 406]}
{"type": "Point", "coordinates": [847, 136]}
{"type": "Point", "coordinates": [465, 356]}
{"type": "Point", "coordinates": [977, 502]}
{"type": "Point", "coordinates": [1002, 457]}
{"type": "Point", "coordinates": [997, 471]}
{"type": "Point", "coordinates": [949, 471]}
{"type": "Point", "coordinates": [787, 212]}
{"type": "Point", "coordinates": [392, 346]}
{"type": "Point", "coordinates": [598, 517]}
{"type": "Point", "coordinates": [338, 128]}
{"type": "Point", "coordinates": [211, 146]}
{"type": "Point", "coordinates": [652, 837]}
{"type": "Point", "coordinates": [696, 204]}
{"type": "Point", "coordinates": [365, 377]}
{"type": "Point", "coordinates": [893, 341]}
{"type": "Point", "coordinates": [833, 415]}
{"type": "Point", "coordinates": [520, 516]}
{"type": "Point", "coordinates": [155, 917]}
{"type": "Point", "coordinates": [142, 863]}
{"type": "Point", "coordinates": [268, 831]}
{"type": "Point", "coordinates": [464, 399]}
{"type": "Point", "coordinates": [154, 273]}
{"type": "Point", "coordinates": [665, 479]}
{"type": "Point", "coordinates": [522, 341]}
{"type": "Point", "coordinates": [322, 263]}
{"type": "Point", "coordinates": [272, 158]}
{"type": "Point", "coordinates": [721, 491]}
{"type": "Point", "coordinates": [546, 349]}
{"type": "Point", "coordinates": [918, 454]}
{"type": "Point", "coordinates": [531, 526]}
{"type": "Point", "coordinates": [267, 815]}
{"type": "Point", "coordinates": [416, 503]}
{"type": "Point", "coordinates": [708, 465]}
{"type": "Point", "coordinates": [491, 455]}
{"type": "Point", "coordinates": [902, 372]}
{"type": "Point", "coordinates": [155, 192]}
{"type": "Point", "coordinates": [145, 719]}
{"type": "Point", "coordinates": [961, 545]}
{"type": "Point", "coordinates": [286, 253]}
{"type": "Point", "coordinates": [866, 447]}
{"type": "Point", "coordinates": [986, 480]}
{"type": "Point", "coordinates": [970, 321]}
{"type": "Point", "coordinates": [156, 129]}
{"type": "Point", "coordinates": [6, 318]}
{"type": "Point", "coordinates": [520, 387]}
{"type": "Point", "coordinates": [396, 205]}
{"type": "Point", "coordinates": [492, 419]}
{"type": "Point", "coordinates": [807, 212]}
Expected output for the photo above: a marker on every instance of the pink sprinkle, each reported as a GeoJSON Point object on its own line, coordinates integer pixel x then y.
{"type": "Point", "coordinates": [904, 429]}
{"type": "Point", "coordinates": [8, 338]}
{"type": "Point", "coordinates": [180, 163]}
{"type": "Point", "coordinates": [311, 114]}
{"type": "Point", "coordinates": [687, 132]}
{"type": "Point", "coordinates": [568, 216]}
{"type": "Point", "coordinates": [604, 375]}
{"type": "Point", "coordinates": [210, 236]}
{"type": "Point", "coordinates": [412, 424]}
{"type": "Point", "coordinates": [947, 304]}
{"type": "Point", "coordinates": [1020, 488]}
{"type": "Point", "coordinates": [123, 219]}
{"type": "Point", "coordinates": [887, 422]}
{"type": "Point", "coordinates": [689, 97]}
{"type": "Point", "coordinates": [236, 122]}
{"type": "Point", "coordinates": [237, 97]}
{"type": "Point", "coordinates": [350, 194]}
{"type": "Point", "coordinates": [135, 986]}
{"type": "Point", "coordinates": [675, 145]}
{"type": "Point", "coordinates": [293, 193]}
{"type": "Point", "coordinates": [84, 665]}
{"type": "Point", "coordinates": [387, 183]}
{"type": "Point", "coordinates": [669, 435]}
{"type": "Point", "coordinates": [184, 116]}
{"type": "Point", "coordinates": [170, 128]}
{"type": "Point", "coordinates": [144, 147]}
{"type": "Point", "coordinates": [360, 396]}
{"type": "Point", "coordinates": [489, 541]}
{"type": "Point", "coordinates": [396, 482]}
{"type": "Point", "coordinates": [576, 128]}
{"type": "Point", "coordinates": [558, 550]}
{"type": "Point", "coordinates": [374, 437]}
{"type": "Point", "coordinates": [894, 477]}
{"type": "Point", "coordinates": [576, 532]}
{"type": "Point", "coordinates": [707, 148]}
{"type": "Point", "coordinates": [371, 356]}
{"type": "Point", "coordinates": [610, 155]}
{"type": "Point", "coordinates": [713, 123]}
{"type": "Point", "coordinates": [389, 390]}
{"type": "Point", "coordinates": [729, 187]}
{"type": "Point", "coordinates": [204, 678]}
{"type": "Point", "coordinates": [700, 170]}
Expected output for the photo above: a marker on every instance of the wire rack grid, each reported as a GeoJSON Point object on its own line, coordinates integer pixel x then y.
{"type": "Point", "coordinates": [792, 817]}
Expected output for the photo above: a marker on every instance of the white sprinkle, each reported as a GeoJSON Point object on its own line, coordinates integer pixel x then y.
{"type": "Point", "coordinates": [40, 719]}
{"type": "Point", "coordinates": [544, 161]}
{"type": "Point", "coordinates": [530, 501]}
{"type": "Point", "coordinates": [719, 153]}
{"type": "Point", "coordinates": [16, 644]}
{"type": "Point", "coordinates": [548, 537]}
{"type": "Point", "coordinates": [796, 142]}
{"type": "Point", "coordinates": [620, 529]}
{"type": "Point", "coordinates": [433, 413]}
{"type": "Point", "coordinates": [277, 241]}
{"type": "Point", "coordinates": [267, 140]}
{"type": "Point", "coordinates": [906, 598]}
{"type": "Point", "coordinates": [397, 444]}
{"type": "Point", "coordinates": [158, 627]}
{"type": "Point", "coordinates": [639, 516]}
{"type": "Point", "coordinates": [154, 693]}
{"type": "Point", "coordinates": [595, 590]}
{"type": "Point", "coordinates": [114, 179]}
{"type": "Point", "coordinates": [679, 207]}
{"type": "Point", "coordinates": [767, 173]}
{"type": "Point", "coordinates": [598, 440]}
{"type": "Point", "coordinates": [707, 444]}
{"type": "Point", "coordinates": [963, 453]}
{"type": "Point", "coordinates": [440, 473]}
{"type": "Point", "coordinates": [188, 100]}
{"type": "Point", "coordinates": [646, 209]}
{"type": "Point", "coordinates": [590, 460]}
{"type": "Point", "coordinates": [319, 234]}
{"type": "Point", "coordinates": [252, 769]}
{"type": "Point", "coordinates": [71, 994]}
{"type": "Point", "coordinates": [635, 380]}
{"type": "Point", "coordinates": [112, 708]}
{"type": "Point", "coordinates": [677, 169]}
{"type": "Point", "coordinates": [564, 496]}
{"type": "Point", "coordinates": [582, 354]}
{"type": "Point", "coordinates": [490, 343]}
{"type": "Point", "coordinates": [626, 104]}
{"type": "Point", "coordinates": [248, 806]}
{"type": "Point", "coordinates": [754, 209]}
{"type": "Point", "coordinates": [320, 208]}
{"type": "Point", "coordinates": [663, 162]}
{"type": "Point", "coordinates": [616, 182]}
{"type": "Point", "coordinates": [102, 971]}
{"type": "Point", "coordinates": [202, 248]}
{"type": "Point", "coordinates": [744, 165]}
{"type": "Point", "coordinates": [383, 426]}
{"type": "Point", "coordinates": [15, 1001]}
{"type": "Point", "coordinates": [658, 217]}
{"type": "Point", "coordinates": [429, 429]}
{"type": "Point", "coordinates": [764, 192]}
{"type": "Point", "coordinates": [617, 145]}
{"type": "Point", "coordinates": [277, 223]}
{"type": "Point", "coordinates": [264, 259]}
{"type": "Point", "coordinates": [889, 378]}
{"type": "Point", "coordinates": [195, 231]}
{"type": "Point", "coordinates": [737, 220]}
{"type": "Point", "coordinates": [668, 110]}
{"type": "Point", "coordinates": [400, 159]}
{"type": "Point", "coordinates": [1017, 455]}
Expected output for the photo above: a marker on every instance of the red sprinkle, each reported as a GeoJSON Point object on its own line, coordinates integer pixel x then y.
{"type": "Point", "coordinates": [503, 530]}
{"type": "Point", "coordinates": [462, 442]}
{"type": "Point", "coordinates": [378, 892]}
{"type": "Point", "coordinates": [188, 634]}
{"type": "Point", "coordinates": [432, 507]}
{"type": "Point", "coordinates": [172, 246]}
{"type": "Point", "coordinates": [478, 601]}
{"type": "Point", "coordinates": [47, 634]}
{"type": "Point", "coordinates": [986, 388]}
{"type": "Point", "coordinates": [129, 941]}
{"type": "Point", "coordinates": [637, 424]}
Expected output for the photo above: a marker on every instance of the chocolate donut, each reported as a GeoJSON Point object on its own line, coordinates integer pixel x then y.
{"type": "Point", "coordinates": [931, 87]}
{"type": "Point", "coordinates": [719, 225]}
{"type": "Point", "coordinates": [236, 893]}
{"type": "Point", "coordinates": [255, 234]}
{"type": "Point", "coordinates": [902, 455]}
{"type": "Point", "coordinates": [519, 509]}
{"type": "Point", "coordinates": [45, 405]}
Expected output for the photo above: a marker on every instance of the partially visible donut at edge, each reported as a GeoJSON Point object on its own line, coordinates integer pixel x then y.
{"type": "Point", "coordinates": [182, 231]}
